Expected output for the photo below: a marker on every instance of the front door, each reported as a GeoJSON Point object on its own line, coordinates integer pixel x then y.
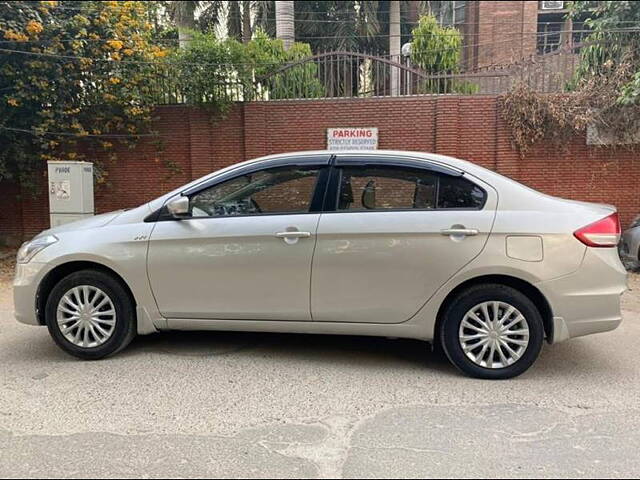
{"type": "Point", "coordinates": [245, 252]}
{"type": "Point", "coordinates": [396, 236]}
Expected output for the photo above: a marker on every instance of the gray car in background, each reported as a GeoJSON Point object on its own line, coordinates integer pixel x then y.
{"type": "Point", "coordinates": [630, 244]}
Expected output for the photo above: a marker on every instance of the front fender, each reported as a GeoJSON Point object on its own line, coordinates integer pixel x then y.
{"type": "Point", "coordinates": [119, 248]}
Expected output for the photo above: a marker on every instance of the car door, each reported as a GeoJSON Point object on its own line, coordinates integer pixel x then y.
{"type": "Point", "coordinates": [245, 252]}
{"type": "Point", "coordinates": [399, 231]}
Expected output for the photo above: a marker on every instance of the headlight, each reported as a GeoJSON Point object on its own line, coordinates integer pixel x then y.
{"type": "Point", "coordinates": [29, 249]}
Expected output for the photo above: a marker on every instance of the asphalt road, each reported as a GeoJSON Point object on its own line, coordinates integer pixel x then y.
{"type": "Point", "coordinates": [245, 405]}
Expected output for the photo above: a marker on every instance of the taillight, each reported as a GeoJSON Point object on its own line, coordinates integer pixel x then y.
{"type": "Point", "coordinates": [603, 233]}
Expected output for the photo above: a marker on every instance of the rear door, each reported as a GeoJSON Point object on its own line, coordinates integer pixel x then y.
{"type": "Point", "coordinates": [398, 231]}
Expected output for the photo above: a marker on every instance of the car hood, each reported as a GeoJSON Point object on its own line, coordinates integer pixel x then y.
{"type": "Point", "coordinates": [86, 223]}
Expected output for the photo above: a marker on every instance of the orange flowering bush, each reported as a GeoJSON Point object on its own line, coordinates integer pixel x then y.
{"type": "Point", "coordinates": [63, 78]}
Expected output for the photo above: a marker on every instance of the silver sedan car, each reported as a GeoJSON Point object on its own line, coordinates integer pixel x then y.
{"type": "Point", "coordinates": [385, 243]}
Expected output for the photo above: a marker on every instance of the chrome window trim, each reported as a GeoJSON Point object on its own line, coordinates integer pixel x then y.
{"type": "Point", "coordinates": [309, 161]}
{"type": "Point", "coordinates": [372, 159]}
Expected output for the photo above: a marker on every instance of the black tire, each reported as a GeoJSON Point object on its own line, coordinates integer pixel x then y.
{"type": "Point", "coordinates": [125, 325]}
{"type": "Point", "coordinates": [465, 301]}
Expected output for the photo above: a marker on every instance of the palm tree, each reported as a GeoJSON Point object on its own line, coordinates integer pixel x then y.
{"type": "Point", "coordinates": [246, 21]}
{"type": "Point", "coordinates": [285, 27]}
{"type": "Point", "coordinates": [338, 25]}
{"type": "Point", "coordinates": [210, 16]}
{"type": "Point", "coordinates": [264, 16]}
{"type": "Point", "coordinates": [394, 46]}
{"type": "Point", "coordinates": [245, 16]}
{"type": "Point", "coordinates": [239, 20]}
{"type": "Point", "coordinates": [183, 14]}
{"type": "Point", "coordinates": [234, 20]}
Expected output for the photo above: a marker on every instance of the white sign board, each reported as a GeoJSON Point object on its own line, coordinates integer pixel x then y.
{"type": "Point", "coordinates": [352, 138]}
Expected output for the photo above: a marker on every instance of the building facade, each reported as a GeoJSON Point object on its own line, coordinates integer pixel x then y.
{"type": "Point", "coordinates": [498, 33]}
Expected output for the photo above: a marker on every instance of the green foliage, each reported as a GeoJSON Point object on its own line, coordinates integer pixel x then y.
{"type": "Point", "coordinates": [204, 72]}
{"type": "Point", "coordinates": [434, 48]}
{"type": "Point", "coordinates": [82, 83]}
{"type": "Point", "coordinates": [630, 93]}
{"type": "Point", "coordinates": [437, 50]}
{"type": "Point", "coordinates": [214, 72]}
{"type": "Point", "coordinates": [268, 57]}
{"type": "Point", "coordinates": [613, 45]}
{"type": "Point", "coordinates": [86, 78]}
{"type": "Point", "coordinates": [605, 90]}
{"type": "Point", "coordinates": [463, 87]}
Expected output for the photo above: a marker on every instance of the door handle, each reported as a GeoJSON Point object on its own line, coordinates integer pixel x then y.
{"type": "Point", "coordinates": [467, 232]}
{"type": "Point", "coordinates": [294, 234]}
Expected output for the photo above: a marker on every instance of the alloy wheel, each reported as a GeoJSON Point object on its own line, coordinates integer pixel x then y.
{"type": "Point", "coordinates": [86, 316]}
{"type": "Point", "coordinates": [494, 334]}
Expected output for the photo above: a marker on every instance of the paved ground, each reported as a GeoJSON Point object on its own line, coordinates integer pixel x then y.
{"type": "Point", "coordinates": [244, 405]}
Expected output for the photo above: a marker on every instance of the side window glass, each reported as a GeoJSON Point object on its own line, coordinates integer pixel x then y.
{"type": "Point", "coordinates": [277, 190]}
{"type": "Point", "coordinates": [456, 192]}
{"type": "Point", "coordinates": [386, 188]}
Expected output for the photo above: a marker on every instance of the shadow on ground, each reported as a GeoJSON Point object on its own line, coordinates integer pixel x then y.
{"type": "Point", "coordinates": [336, 351]}
{"type": "Point", "coordinates": [326, 348]}
{"type": "Point", "coordinates": [558, 360]}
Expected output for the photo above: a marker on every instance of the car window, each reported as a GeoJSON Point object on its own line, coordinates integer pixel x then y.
{"type": "Point", "coordinates": [277, 190]}
{"type": "Point", "coordinates": [457, 192]}
{"type": "Point", "coordinates": [384, 188]}
{"type": "Point", "coordinates": [401, 188]}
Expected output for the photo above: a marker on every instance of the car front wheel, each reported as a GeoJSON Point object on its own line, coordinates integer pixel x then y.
{"type": "Point", "coordinates": [90, 315]}
{"type": "Point", "coordinates": [492, 332]}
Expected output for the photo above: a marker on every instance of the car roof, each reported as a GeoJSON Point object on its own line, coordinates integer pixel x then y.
{"type": "Point", "coordinates": [378, 153]}
{"type": "Point", "coordinates": [456, 163]}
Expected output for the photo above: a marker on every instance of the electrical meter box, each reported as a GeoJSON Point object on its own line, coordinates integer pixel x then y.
{"type": "Point", "coordinates": [70, 191]}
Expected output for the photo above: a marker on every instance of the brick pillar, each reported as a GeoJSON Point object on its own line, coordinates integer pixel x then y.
{"type": "Point", "coordinates": [255, 130]}
{"type": "Point", "coordinates": [446, 126]}
{"type": "Point", "coordinates": [200, 133]}
{"type": "Point", "coordinates": [507, 159]}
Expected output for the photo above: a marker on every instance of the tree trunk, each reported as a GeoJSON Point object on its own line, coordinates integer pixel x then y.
{"type": "Point", "coordinates": [185, 21]}
{"type": "Point", "coordinates": [394, 46]}
{"type": "Point", "coordinates": [246, 21]}
{"type": "Point", "coordinates": [234, 21]}
{"type": "Point", "coordinates": [285, 28]}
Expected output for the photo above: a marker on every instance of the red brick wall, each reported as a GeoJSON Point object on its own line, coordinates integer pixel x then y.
{"type": "Point", "coordinates": [468, 127]}
{"type": "Point", "coordinates": [10, 213]}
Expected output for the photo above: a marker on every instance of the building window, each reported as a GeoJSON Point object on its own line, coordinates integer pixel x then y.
{"type": "Point", "coordinates": [556, 29]}
{"type": "Point", "coordinates": [448, 13]}
{"type": "Point", "coordinates": [550, 34]}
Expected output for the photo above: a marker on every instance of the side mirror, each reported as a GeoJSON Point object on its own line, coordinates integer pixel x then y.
{"type": "Point", "coordinates": [179, 207]}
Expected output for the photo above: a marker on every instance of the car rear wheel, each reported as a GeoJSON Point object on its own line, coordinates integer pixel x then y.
{"type": "Point", "coordinates": [90, 315]}
{"type": "Point", "coordinates": [492, 332]}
